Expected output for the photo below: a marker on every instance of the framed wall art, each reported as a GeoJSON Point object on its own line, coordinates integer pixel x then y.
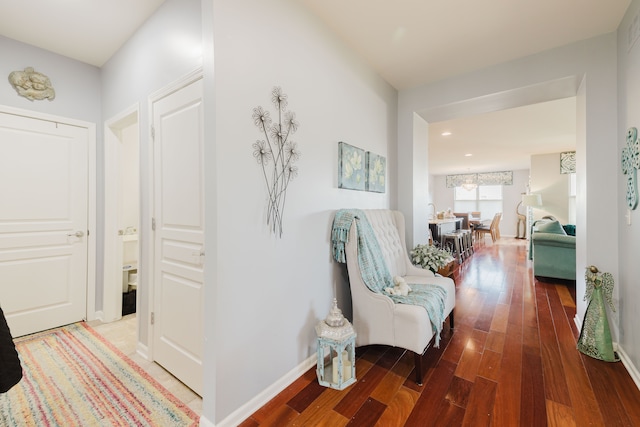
{"type": "Point", "coordinates": [351, 167]}
{"type": "Point", "coordinates": [376, 172]}
{"type": "Point", "coordinates": [568, 162]}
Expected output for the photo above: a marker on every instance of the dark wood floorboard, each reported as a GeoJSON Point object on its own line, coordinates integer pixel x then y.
{"type": "Point", "coordinates": [510, 361]}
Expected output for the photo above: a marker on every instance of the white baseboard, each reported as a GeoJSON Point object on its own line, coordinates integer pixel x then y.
{"type": "Point", "coordinates": [142, 350]}
{"type": "Point", "coordinates": [626, 361]}
{"type": "Point", "coordinates": [204, 422]}
{"type": "Point", "coordinates": [624, 358]}
{"type": "Point", "coordinates": [245, 411]}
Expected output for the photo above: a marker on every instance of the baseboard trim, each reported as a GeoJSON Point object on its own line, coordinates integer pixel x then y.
{"type": "Point", "coordinates": [204, 422]}
{"type": "Point", "coordinates": [578, 322]}
{"type": "Point", "coordinates": [628, 364]}
{"type": "Point", "coordinates": [624, 357]}
{"type": "Point", "coordinates": [245, 411]}
{"type": "Point", "coordinates": [142, 350]}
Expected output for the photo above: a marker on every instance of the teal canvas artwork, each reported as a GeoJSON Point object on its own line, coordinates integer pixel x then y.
{"type": "Point", "coordinates": [376, 172]}
{"type": "Point", "coordinates": [351, 167]}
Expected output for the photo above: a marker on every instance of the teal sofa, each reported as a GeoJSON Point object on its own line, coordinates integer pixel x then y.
{"type": "Point", "coordinates": [553, 251]}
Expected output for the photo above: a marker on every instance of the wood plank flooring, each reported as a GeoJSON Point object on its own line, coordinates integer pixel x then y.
{"type": "Point", "coordinates": [510, 361]}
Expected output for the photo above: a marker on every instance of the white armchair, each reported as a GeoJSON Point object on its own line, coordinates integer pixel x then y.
{"type": "Point", "coordinates": [376, 318]}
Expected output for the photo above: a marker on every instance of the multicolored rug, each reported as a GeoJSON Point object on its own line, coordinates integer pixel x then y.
{"type": "Point", "coordinates": [74, 377]}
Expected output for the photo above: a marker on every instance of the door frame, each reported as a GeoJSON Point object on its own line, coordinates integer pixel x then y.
{"type": "Point", "coordinates": [167, 90]}
{"type": "Point", "coordinates": [111, 300]}
{"type": "Point", "coordinates": [90, 313]}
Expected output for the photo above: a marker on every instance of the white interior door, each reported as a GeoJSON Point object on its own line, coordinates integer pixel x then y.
{"type": "Point", "coordinates": [179, 234]}
{"type": "Point", "coordinates": [43, 223]}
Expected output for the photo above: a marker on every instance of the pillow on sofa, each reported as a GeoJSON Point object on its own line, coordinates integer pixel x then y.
{"type": "Point", "coordinates": [570, 229]}
{"type": "Point", "coordinates": [553, 227]}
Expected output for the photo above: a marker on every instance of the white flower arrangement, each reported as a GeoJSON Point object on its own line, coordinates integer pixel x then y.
{"type": "Point", "coordinates": [430, 257]}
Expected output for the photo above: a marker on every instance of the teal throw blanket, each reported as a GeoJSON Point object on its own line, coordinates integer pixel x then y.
{"type": "Point", "coordinates": [431, 297]}
{"type": "Point", "coordinates": [375, 273]}
{"type": "Point", "coordinates": [372, 265]}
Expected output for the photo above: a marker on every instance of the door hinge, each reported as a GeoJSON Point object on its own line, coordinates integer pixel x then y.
{"type": "Point", "coordinates": [153, 224]}
{"type": "Point", "coordinates": [153, 318]}
{"type": "Point", "coordinates": [153, 132]}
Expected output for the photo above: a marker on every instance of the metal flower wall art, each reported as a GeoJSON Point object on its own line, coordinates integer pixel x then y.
{"type": "Point", "coordinates": [276, 154]}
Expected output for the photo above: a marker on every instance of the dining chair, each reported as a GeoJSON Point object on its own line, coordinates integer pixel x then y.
{"type": "Point", "coordinates": [493, 229]}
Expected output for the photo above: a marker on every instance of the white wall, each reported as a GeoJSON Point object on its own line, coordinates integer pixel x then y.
{"type": "Point", "coordinates": [552, 186]}
{"type": "Point", "coordinates": [77, 85]}
{"type": "Point", "coordinates": [552, 74]}
{"type": "Point", "coordinates": [628, 301]}
{"type": "Point", "coordinates": [165, 48]}
{"type": "Point", "coordinates": [416, 159]}
{"type": "Point", "coordinates": [129, 178]}
{"type": "Point", "coordinates": [443, 198]}
{"type": "Point", "coordinates": [272, 291]}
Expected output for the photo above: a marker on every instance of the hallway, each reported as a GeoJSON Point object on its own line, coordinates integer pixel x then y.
{"type": "Point", "coordinates": [511, 361]}
{"type": "Point", "coordinates": [122, 334]}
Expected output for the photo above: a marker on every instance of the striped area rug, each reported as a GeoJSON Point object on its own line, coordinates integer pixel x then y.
{"type": "Point", "coordinates": [74, 377]}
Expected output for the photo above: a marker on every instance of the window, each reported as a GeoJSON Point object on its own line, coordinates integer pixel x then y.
{"type": "Point", "coordinates": [484, 198]}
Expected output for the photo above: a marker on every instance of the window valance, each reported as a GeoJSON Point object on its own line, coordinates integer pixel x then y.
{"type": "Point", "coordinates": [483, 178]}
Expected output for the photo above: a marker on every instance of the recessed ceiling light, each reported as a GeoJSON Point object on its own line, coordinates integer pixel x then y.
{"type": "Point", "coordinates": [468, 155]}
{"type": "Point", "coordinates": [445, 133]}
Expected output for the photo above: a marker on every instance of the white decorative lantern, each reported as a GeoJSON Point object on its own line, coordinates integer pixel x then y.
{"type": "Point", "coordinates": [336, 350]}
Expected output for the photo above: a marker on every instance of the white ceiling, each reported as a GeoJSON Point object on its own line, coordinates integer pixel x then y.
{"type": "Point", "coordinates": [90, 31]}
{"type": "Point", "coordinates": [409, 43]}
{"type": "Point", "coordinates": [412, 42]}
{"type": "Point", "coordinates": [502, 140]}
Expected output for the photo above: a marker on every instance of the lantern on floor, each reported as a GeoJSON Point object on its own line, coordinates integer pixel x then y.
{"type": "Point", "coordinates": [336, 350]}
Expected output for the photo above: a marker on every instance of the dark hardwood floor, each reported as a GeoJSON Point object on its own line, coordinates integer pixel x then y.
{"type": "Point", "coordinates": [510, 361]}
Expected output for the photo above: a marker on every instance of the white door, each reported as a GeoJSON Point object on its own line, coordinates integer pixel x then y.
{"type": "Point", "coordinates": [179, 234]}
{"type": "Point", "coordinates": [43, 223]}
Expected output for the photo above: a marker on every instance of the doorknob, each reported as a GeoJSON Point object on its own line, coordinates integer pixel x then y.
{"type": "Point", "coordinates": [77, 234]}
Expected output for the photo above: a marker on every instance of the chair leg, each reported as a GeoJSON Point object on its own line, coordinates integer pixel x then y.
{"type": "Point", "coordinates": [418, 362]}
{"type": "Point", "coordinates": [417, 358]}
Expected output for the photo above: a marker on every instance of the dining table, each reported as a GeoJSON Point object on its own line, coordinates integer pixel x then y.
{"type": "Point", "coordinates": [474, 222]}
